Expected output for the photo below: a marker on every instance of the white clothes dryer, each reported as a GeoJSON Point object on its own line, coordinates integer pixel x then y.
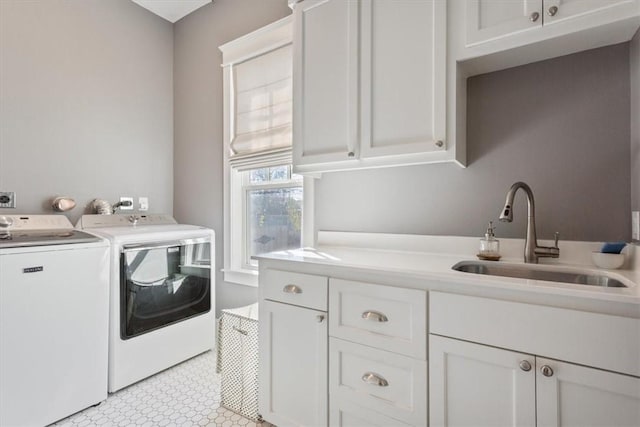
{"type": "Point", "coordinates": [162, 293]}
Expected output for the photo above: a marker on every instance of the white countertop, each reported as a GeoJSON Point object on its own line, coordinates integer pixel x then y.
{"type": "Point", "coordinates": [431, 258]}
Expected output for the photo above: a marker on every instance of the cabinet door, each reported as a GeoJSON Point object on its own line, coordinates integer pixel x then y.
{"type": "Point", "coordinates": [403, 77]}
{"type": "Point", "coordinates": [493, 19]}
{"type": "Point", "coordinates": [293, 371]}
{"type": "Point", "coordinates": [572, 395]}
{"type": "Point", "coordinates": [325, 76]}
{"type": "Point", "coordinates": [472, 384]}
{"type": "Point", "coordinates": [560, 10]}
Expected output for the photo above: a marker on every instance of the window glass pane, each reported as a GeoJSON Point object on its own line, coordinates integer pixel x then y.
{"type": "Point", "coordinates": [274, 220]}
{"type": "Point", "coordinates": [280, 173]}
{"type": "Point", "coordinates": [259, 175]}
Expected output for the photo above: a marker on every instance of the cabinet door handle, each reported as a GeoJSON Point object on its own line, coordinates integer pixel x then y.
{"type": "Point", "coordinates": [374, 379]}
{"type": "Point", "coordinates": [546, 371]}
{"type": "Point", "coordinates": [292, 289]}
{"type": "Point", "coordinates": [320, 318]}
{"type": "Point", "coordinates": [553, 10]}
{"type": "Point", "coordinates": [374, 316]}
{"type": "Point", "coordinates": [525, 365]}
{"type": "Point", "coordinates": [534, 16]}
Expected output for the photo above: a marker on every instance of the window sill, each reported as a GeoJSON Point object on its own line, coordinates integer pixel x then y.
{"type": "Point", "coordinates": [241, 277]}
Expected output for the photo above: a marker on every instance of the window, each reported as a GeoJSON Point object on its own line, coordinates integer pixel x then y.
{"type": "Point", "coordinates": [273, 211]}
{"type": "Point", "coordinates": [267, 207]}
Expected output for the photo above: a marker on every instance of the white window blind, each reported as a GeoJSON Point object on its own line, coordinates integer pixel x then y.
{"type": "Point", "coordinates": [262, 99]}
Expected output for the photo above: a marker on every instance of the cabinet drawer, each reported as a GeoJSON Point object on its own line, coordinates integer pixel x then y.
{"type": "Point", "coordinates": [392, 384]}
{"type": "Point", "coordinates": [348, 414]}
{"type": "Point", "coordinates": [305, 290]}
{"type": "Point", "coordinates": [386, 317]}
{"type": "Point", "coordinates": [591, 339]}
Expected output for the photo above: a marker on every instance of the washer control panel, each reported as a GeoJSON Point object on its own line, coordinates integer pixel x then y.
{"type": "Point", "coordinates": [34, 222]}
{"type": "Point", "coordinates": [123, 220]}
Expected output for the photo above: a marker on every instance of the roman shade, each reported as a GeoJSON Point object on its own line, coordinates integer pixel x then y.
{"type": "Point", "coordinates": [262, 110]}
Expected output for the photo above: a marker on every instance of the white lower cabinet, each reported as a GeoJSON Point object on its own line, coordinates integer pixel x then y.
{"type": "Point", "coordinates": [347, 414]}
{"type": "Point", "coordinates": [380, 381]}
{"type": "Point", "coordinates": [293, 365]}
{"type": "Point", "coordinates": [471, 384]}
{"type": "Point", "coordinates": [474, 384]}
{"type": "Point", "coordinates": [377, 355]}
{"type": "Point", "coordinates": [352, 354]}
{"type": "Point", "coordinates": [574, 395]}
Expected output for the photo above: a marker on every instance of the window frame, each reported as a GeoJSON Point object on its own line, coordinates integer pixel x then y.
{"type": "Point", "coordinates": [259, 42]}
{"type": "Point", "coordinates": [235, 269]}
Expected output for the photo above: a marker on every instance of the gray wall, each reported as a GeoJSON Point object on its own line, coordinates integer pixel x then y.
{"type": "Point", "coordinates": [198, 116]}
{"type": "Point", "coordinates": [560, 125]}
{"type": "Point", "coordinates": [86, 105]}
{"type": "Point", "coordinates": [635, 122]}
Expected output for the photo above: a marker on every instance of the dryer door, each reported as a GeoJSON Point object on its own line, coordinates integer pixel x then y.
{"type": "Point", "coordinates": [163, 283]}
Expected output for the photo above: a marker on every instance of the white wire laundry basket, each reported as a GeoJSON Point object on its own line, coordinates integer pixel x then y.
{"type": "Point", "coordinates": [238, 360]}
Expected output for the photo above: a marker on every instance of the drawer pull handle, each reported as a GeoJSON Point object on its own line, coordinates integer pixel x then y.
{"type": "Point", "coordinates": [292, 289]}
{"type": "Point", "coordinates": [374, 316]}
{"type": "Point", "coordinates": [375, 379]}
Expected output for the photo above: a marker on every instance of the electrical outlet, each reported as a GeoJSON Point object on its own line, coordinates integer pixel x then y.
{"type": "Point", "coordinates": [143, 203]}
{"type": "Point", "coordinates": [7, 199]}
{"type": "Point", "coordinates": [126, 208]}
{"type": "Point", "coordinates": [635, 225]}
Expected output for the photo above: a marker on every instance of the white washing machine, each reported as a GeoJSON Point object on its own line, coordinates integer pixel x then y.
{"type": "Point", "coordinates": [162, 293]}
{"type": "Point", "coordinates": [54, 288]}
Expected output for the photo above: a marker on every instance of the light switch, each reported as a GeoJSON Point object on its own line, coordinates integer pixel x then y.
{"type": "Point", "coordinates": [635, 225]}
{"type": "Point", "coordinates": [143, 203]}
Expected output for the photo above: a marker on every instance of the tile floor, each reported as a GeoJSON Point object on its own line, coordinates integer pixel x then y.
{"type": "Point", "coordinates": [185, 395]}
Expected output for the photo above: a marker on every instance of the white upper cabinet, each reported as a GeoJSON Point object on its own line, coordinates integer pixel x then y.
{"type": "Point", "coordinates": [492, 19]}
{"type": "Point", "coordinates": [489, 35]}
{"type": "Point", "coordinates": [325, 81]}
{"type": "Point", "coordinates": [403, 77]}
{"type": "Point", "coordinates": [488, 20]}
{"type": "Point", "coordinates": [369, 83]}
{"type": "Point", "coordinates": [559, 10]}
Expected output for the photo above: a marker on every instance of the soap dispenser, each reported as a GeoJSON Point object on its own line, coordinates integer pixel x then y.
{"type": "Point", "coordinates": [489, 246]}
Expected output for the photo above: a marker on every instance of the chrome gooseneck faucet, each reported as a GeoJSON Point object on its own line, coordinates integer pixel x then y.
{"type": "Point", "coordinates": [531, 249]}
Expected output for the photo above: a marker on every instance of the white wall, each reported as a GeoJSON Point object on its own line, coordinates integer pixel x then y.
{"type": "Point", "coordinates": [560, 125]}
{"type": "Point", "coordinates": [198, 117]}
{"type": "Point", "coordinates": [635, 122]}
{"type": "Point", "coordinates": [86, 105]}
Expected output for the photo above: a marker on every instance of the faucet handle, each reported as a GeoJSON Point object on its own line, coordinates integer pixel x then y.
{"type": "Point", "coordinates": [555, 235]}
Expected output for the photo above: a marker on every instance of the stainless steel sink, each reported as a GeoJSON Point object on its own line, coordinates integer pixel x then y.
{"type": "Point", "coordinates": [532, 273]}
